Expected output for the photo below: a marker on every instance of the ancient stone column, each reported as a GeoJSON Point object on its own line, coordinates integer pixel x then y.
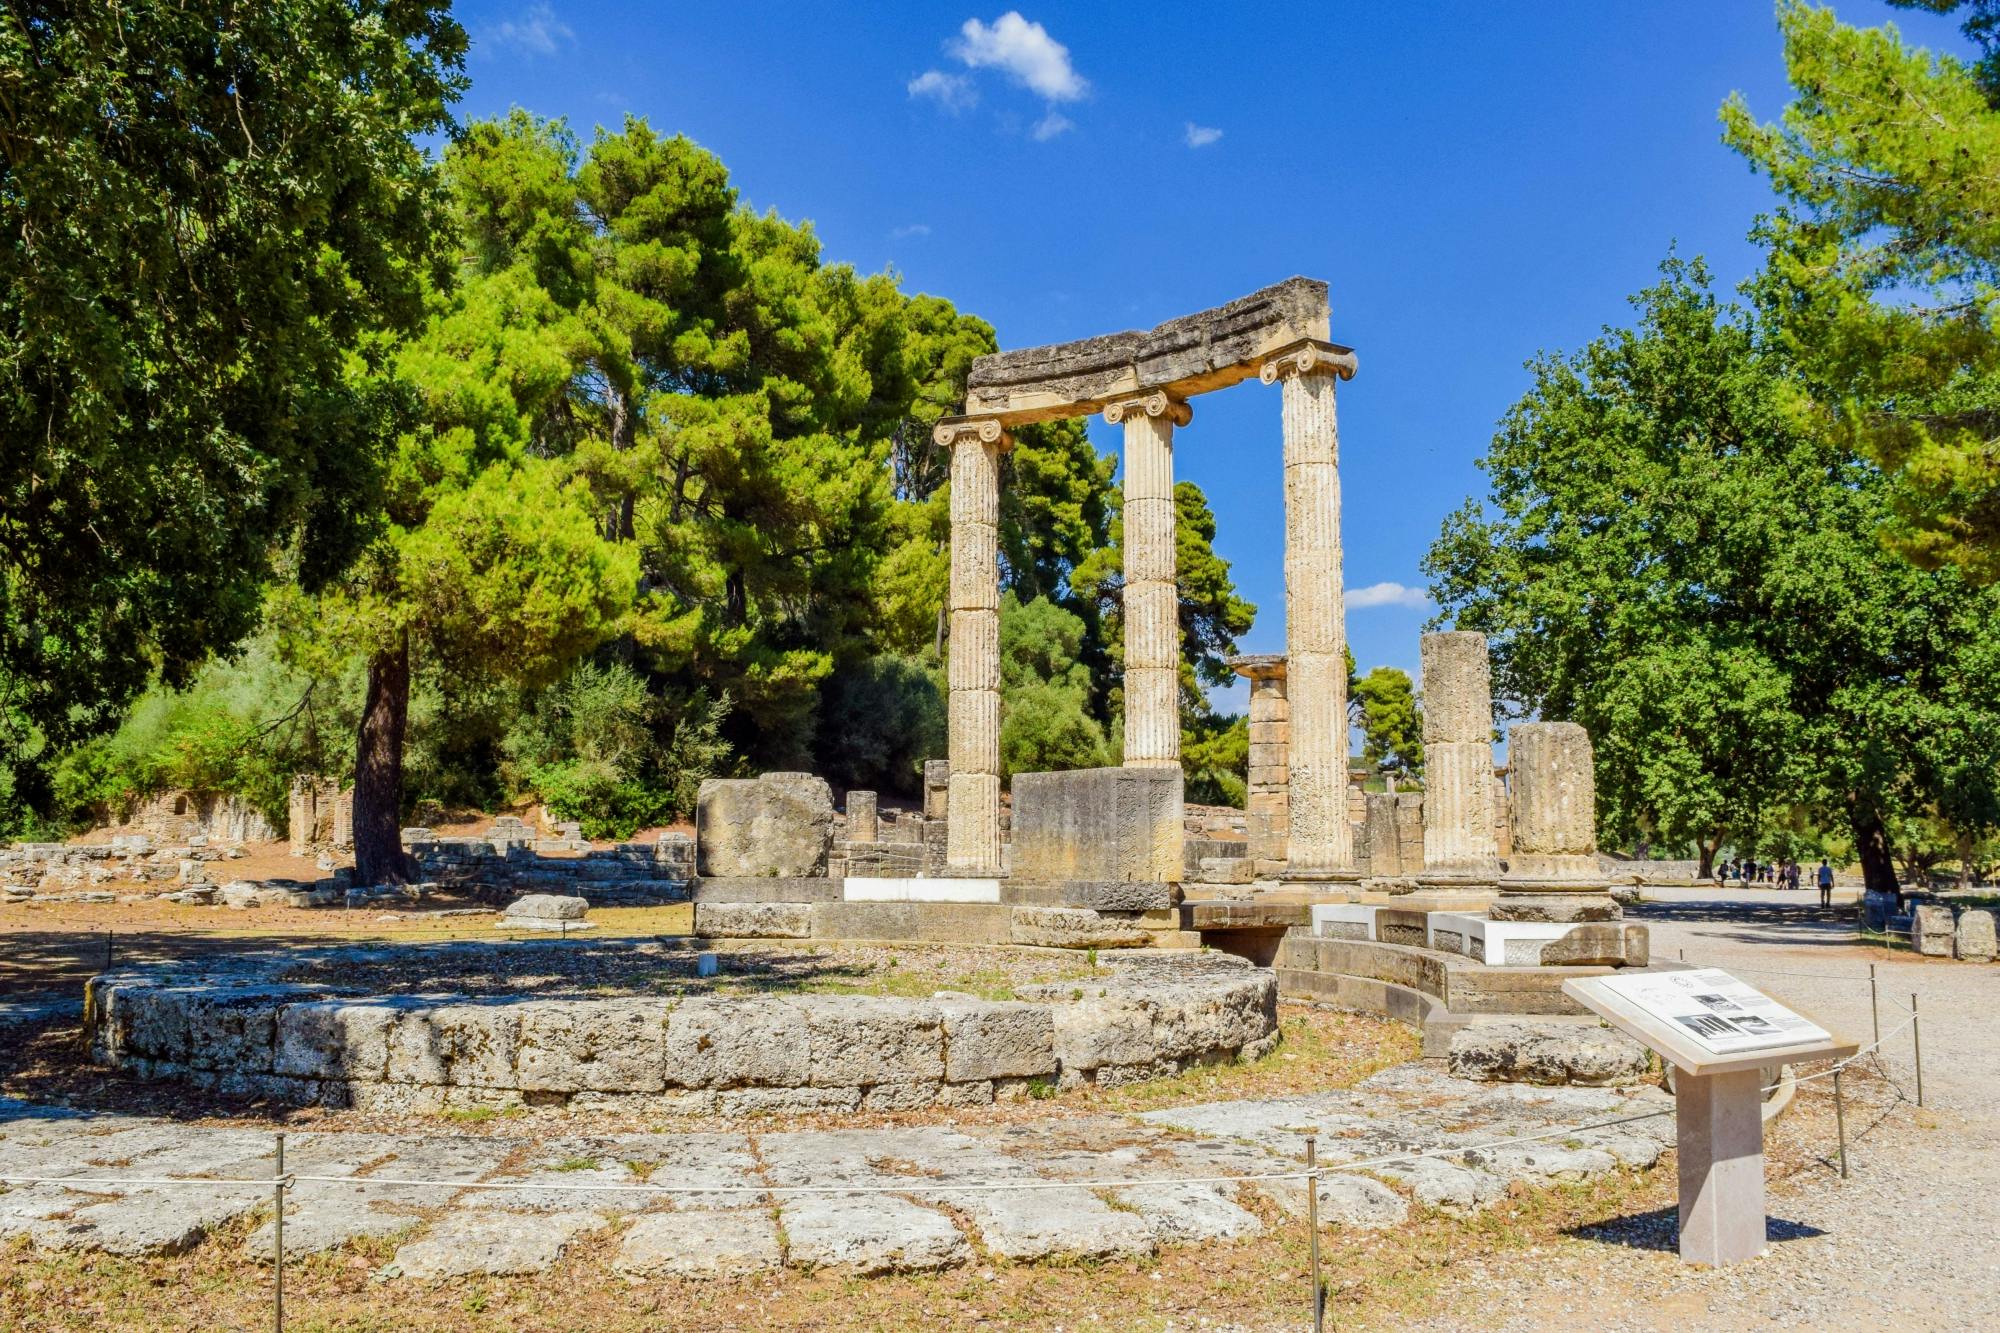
{"type": "Point", "coordinates": [1152, 599]}
{"type": "Point", "coordinates": [861, 823]}
{"type": "Point", "coordinates": [1552, 874]}
{"type": "Point", "coordinates": [972, 838]}
{"type": "Point", "coordinates": [1267, 807]}
{"type": "Point", "coordinates": [1459, 847]}
{"type": "Point", "coordinates": [1321, 845]}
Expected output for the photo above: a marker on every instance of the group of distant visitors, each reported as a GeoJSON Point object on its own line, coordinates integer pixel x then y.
{"type": "Point", "coordinates": [1784, 874]}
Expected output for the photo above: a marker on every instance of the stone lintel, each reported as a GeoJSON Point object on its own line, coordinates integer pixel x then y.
{"type": "Point", "coordinates": [1196, 353]}
{"type": "Point", "coordinates": [1259, 666]}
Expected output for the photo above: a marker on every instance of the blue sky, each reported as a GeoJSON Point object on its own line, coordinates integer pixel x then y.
{"type": "Point", "coordinates": [1475, 182]}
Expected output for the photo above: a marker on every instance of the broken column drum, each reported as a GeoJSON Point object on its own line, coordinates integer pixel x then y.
{"type": "Point", "coordinates": [1552, 873]}
{"type": "Point", "coordinates": [1321, 842]}
{"type": "Point", "coordinates": [1459, 843]}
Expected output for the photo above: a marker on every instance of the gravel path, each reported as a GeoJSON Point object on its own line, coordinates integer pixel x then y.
{"type": "Point", "coordinates": [1909, 1241]}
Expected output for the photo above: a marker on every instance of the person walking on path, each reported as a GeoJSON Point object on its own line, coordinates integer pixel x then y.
{"type": "Point", "coordinates": [1825, 883]}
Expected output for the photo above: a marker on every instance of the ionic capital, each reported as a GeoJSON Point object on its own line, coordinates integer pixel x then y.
{"type": "Point", "coordinates": [954, 431]}
{"type": "Point", "coordinates": [1157, 403]}
{"type": "Point", "coordinates": [1310, 357]}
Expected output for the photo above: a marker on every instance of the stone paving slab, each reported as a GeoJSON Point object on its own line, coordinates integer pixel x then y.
{"type": "Point", "coordinates": [911, 1224]}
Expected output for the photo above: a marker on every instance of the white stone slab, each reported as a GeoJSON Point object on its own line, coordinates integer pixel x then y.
{"type": "Point", "coordinates": [919, 889]}
{"type": "Point", "coordinates": [1346, 914]}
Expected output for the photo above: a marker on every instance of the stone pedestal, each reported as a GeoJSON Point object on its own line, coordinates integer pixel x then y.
{"type": "Point", "coordinates": [1267, 810]}
{"type": "Point", "coordinates": [1321, 844]}
{"type": "Point", "coordinates": [1553, 873]}
{"type": "Point", "coordinates": [1459, 847]}
{"type": "Point", "coordinates": [973, 668]}
{"type": "Point", "coordinates": [1720, 1137]}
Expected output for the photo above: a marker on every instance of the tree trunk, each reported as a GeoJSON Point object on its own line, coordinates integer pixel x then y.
{"type": "Point", "coordinates": [1871, 843]}
{"type": "Point", "coordinates": [378, 772]}
{"type": "Point", "coordinates": [1707, 851]}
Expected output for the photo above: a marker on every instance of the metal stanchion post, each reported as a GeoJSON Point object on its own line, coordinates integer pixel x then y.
{"type": "Point", "coordinates": [278, 1240]}
{"type": "Point", "coordinates": [1917, 1046]}
{"type": "Point", "coordinates": [1312, 1220]}
{"type": "Point", "coordinates": [1840, 1121]}
{"type": "Point", "coordinates": [1874, 1005]}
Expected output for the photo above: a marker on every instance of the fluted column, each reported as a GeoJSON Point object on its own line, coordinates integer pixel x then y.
{"type": "Point", "coordinates": [972, 836]}
{"type": "Point", "coordinates": [1321, 842]}
{"type": "Point", "coordinates": [1152, 598]}
{"type": "Point", "coordinates": [1458, 759]}
{"type": "Point", "coordinates": [1552, 873]}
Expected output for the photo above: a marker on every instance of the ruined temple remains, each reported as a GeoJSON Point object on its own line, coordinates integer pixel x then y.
{"type": "Point", "coordinates": [1553, 873]}
{"type": "Point", "coordinates": [1459, 846]}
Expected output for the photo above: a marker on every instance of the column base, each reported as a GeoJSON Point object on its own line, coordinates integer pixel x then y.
{"type": "Point", "coordinates": [1346, 875]}
{"type": "Point", "coordinates": [1563, 905]}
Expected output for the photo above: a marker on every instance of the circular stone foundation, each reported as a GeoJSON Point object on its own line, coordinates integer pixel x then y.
{"type": "Point", "coordinates": [633, 1024]}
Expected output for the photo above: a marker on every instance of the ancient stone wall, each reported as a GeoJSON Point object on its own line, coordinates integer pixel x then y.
{"type": "Point", "coordinates": [1099, 824]}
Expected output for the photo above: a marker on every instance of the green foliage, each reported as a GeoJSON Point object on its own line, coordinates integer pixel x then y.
{"type": "Point", "coordinates": [213, 214]}
{"type": "Point", "coordinates": [1215, 755]}
{"type": "Point", "coordinates": [1883, 280]}
{"type": "Point", "coordinates": [1046, 723]}
{"type": "Point", "coordinates": [597, 747]}
{"type": "Point", "coordinates": [1670, 560]}
{"type": "Point", "coordinates": [879, 720]}
{"type": "Point", "coordinates": [1392, 728]}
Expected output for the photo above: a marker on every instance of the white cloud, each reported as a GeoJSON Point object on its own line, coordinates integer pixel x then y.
{"type": "Point", "coordinates": [1025, 51]}
{"type": "Point", "coordinates": [536, 31]}
{"type": "Point", "coordinates": [953, 92]}
{"type": "Point", "coordinates": [1386, 594]}
{"type": "Point", "coordinates": [914, 229]}
{"type": "Point", "coordinates": [1201, 136]}
{"type": "Point", "coordinates": [1049, 126]}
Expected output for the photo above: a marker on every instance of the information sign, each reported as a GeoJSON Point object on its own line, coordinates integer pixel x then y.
{"type": "Point", "coordinates": [1724, 1015]}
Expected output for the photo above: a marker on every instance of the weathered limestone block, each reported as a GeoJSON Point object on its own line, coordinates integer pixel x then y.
{"type": "Point", "coordinates": [547, 908]}
{"type": "Point", "coordinates": [1106, 1031]}
{"type": "Point", "coordinates": [234, 1029]}
{"type": "Point", "coordinates": [861, 821]}
{"type": "Point", "coordinates": [704, 1244]}
{"type": "Point", "coordinates": [455, 1045]}
{"type": "Point", "coordinates": [612, 1046]}
{"type": "Point", "coordinates": [1932, 930]}
{"type": "Point", "coordinates": [776, 825]}
{"type": "Point", "coordinates": [733, 1043]}
{"type": "Point", "coordinates": [336, 1040]}
{"type": "Point", "coordinates": [1547, 1053]}
{"type": "Point", "coordinates": [1605, 944]}
{"type": "Point", "coordinates": [1974, 940]}
{"type": "Point", "coordinates": [1558, 907]}
{"type": "Point", "coordinates": [866, 1040]}
{"type": "Point", "coordinates": [753, 921]}
{"type": "Point", "coordinates": [1099, 824]}
{"type": "Point", "coordinates": [1076, 928]}
{"type": "Point", "coordinates": [1210, 349]}
{"type": "Point", "coordinates": [989, 1039]}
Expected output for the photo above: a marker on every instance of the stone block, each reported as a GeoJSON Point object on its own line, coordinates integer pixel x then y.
{"type": "Point", "coordinates": [233, 1030]}
{"type": "Point", "coordinates": [611, 1046]}
{"type": "Point", "coordinates": [1974, 940]}
{"type": "Point", "coordinates": [1105, 1031]}
{"type": "Point", "coordinates": [1547, 1053]}
{"type": "Point", "coordinates": [731, 1042]}
{"type": "Point", "coordinates": [1099, 824]}
{"type": "Point", "coordinates": [1932, 930]}
{"type": "Point", "coordinates": [456, 1045]}
{"type": "Point", "coordinates": [778, 825]}
{"type": "Point", "coordinates": [753, 921]}
{"type": "Point", "coordinates": [1075, 928]}
{"type": "Point", "coordinates": [868, 1040]}
{"type": "Point", "coordinates": [548, 907]}
{"type": "Point", "coordinates": [1605, 944]}
{"type": "Point", "coordinates": [986, 1040]}
{"type": "Point", "coordinates": [1227, 870]}
{"type": "Point", "coordinates": [1561, 907]}
{"type": "Point", "coordinates": [336, 1039]}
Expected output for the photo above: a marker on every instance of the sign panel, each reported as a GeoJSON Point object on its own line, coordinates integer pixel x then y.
{"type": "Point", "coordinates": [1718, 1012]}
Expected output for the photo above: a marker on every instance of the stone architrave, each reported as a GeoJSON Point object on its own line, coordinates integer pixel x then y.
{"type": "Point", "coordinates": [1151, 598]}
{"type": "Point", "coordinates": [1267, 815]}
{"type": "Point", "coordinates": [1459, 847]}
{"type": "Point", "coordinates": [1553, 873]}
{"type": "Point", "coordinates": [1321, 844]}
{"type": "Point", "coordinates": [972, 839]}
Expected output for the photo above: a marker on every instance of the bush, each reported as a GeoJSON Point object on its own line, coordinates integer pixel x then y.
{"type": "Point", "coordinates": [879, 721]}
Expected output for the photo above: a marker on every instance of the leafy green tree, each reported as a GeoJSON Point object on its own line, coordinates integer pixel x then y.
{"type": "Point", "coordinates": [1670, 560]}
{"type": "Point", "coordinates": [1045, 719]}
{"type": "Point", "coordinates": [213, 213]}
{"type": "Point", "coordinates": [1215, 756]}
{"type": "Point", "coordinates": [879, 720]}
{"type": "Point", "coordinates": [1884, 268]}
{"type": "Point", "coordinates": [1392, 727]}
